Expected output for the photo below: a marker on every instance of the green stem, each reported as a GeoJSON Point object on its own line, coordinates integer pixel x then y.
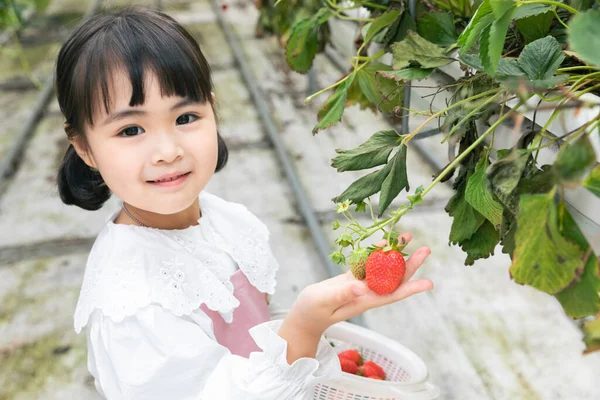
{"type": "Point", "coordinates": [550, 3]}
{"type": "Point", "coordinates": [370, 58]}
{"type": "Point", "coordinates": [466, 118]}
{"type": "Point", "coordinates": [567, 69]}
{"type": "Point", "coordinates": [467, 151]}
{"type": "Point", "coordinates": [309, 98]}
{"type": "Point", "coordinates": [558, 18]}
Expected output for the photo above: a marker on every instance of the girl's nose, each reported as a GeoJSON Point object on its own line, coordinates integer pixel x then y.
{"type": "Point", "coordinates": [166, 149]}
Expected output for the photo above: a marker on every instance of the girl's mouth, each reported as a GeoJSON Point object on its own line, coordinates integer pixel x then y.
{"type": "Point", "coordinates": [174, 181]}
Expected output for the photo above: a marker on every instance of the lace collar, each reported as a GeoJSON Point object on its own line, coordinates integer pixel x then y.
{"type": "Point", "coordinates": [130, 267]}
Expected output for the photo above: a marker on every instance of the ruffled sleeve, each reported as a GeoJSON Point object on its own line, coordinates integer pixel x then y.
{"type": "Point", "coordinates": [154, 354]}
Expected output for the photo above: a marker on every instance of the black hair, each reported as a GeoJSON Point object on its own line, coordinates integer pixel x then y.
{"type": "Point", "coordinates": [134, 40]}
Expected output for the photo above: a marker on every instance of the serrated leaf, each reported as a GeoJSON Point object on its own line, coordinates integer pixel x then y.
{"type": "Point", "coordinates": [584, 36]}
{"type": "Point", "coordinates": [384, 95]}
{"type": "Point", "coordinates": [580, 298]}
{"type": "Point", "coordinates": [375, 151]}
{"type": "Point", "coordinates": [503, 10]}
{"type": "Point", "coordinates": [482, 244]}
{"type": "Point", "coordinates": [574, 160]}
{"type": "Point", "coordinates": [406, 74]}
{"type": "Point", "coordinates": [416, 49]}
{"type": "Point", "coordinates": [540, 59]}
{"type": "Point", "coordinates": [505, 173]}
{"type": "Point", "coordinates": [507, 233]}
{"type": "Point", "coordinates": [395, 181]}
{"type": "Point", "coordinates": [592, 182]}
{"type": "Point", "coordinates": [530, 10]}
{"type": "Point", "coordinates": [384, 20]}
{"type": "Point", "coordinates": [482, 18]}
{"type": "Point", "coordinates": [543, 258]}
{"type": "Point", "coordinates": [333, 109]}
{"type": "Point", "coordinates": [535, 26]}
{"type": "Point", "coordinates": [466, 220]}
{"type": "Point", "coordinates": [506, 66]}
{"type": "Point", "coordinates": [438, 28]}
{"type": "Point", "coordinates": [478, 194]}
{"type": "Point", "coordinates": [365, 186]}
{"type": "Point", "coordinates": [303, 43]}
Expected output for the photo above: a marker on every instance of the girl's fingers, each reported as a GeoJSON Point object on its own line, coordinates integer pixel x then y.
{"type": "Point", "coordinates": [415, 261]}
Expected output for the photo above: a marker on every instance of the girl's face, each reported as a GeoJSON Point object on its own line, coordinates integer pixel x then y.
{"type": "Point", "coordinates": [134, 148]}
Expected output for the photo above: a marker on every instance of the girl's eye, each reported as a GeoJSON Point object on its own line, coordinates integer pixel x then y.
{"type": "Point", "coordinates": [186, 119]}
{"type": "Point", "coordinates": [131, 131]}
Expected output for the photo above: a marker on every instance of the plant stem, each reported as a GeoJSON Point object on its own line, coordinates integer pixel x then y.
{"type": "Point", "coordinates": [466, 118]}
{"type": "Point", "coordinates": [567, 69]}
{"type": "Point", "coordinates": [558, 18]}
{"type": "Point", "coordinates": [468, 150]}
{"type": "Point", "coordinates": [408, 137]}
{"type": "Point", "coordinates": [309, 98]}
{"type": "Point", "coordinates": [550, 3]}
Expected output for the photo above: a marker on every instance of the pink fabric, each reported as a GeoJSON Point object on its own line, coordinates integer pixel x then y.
{"type": "Point", "coordinates": [253, 310]}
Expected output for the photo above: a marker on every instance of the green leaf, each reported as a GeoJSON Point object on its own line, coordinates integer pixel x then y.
{"type": "Point", "coordinates": [395, 181]}
{"type": "Point", "coordinates": [574, 160]}
{"type": "Point", "coordinates": [592, 182]}
{"type": "Point", "coordinates": [478, 194]}
{"type": "Point", "coordinates": [384, 94]}
{"type": "Point", "coordinates": [481, 20]}
{"type": "Point", "coordinates": [338, 257]}
{"type": "Point", "coordinates": [504, 175]}
{"type": "Point", "coordinates": [543, 258]}
{"type": "Point", "coordinates": [303, 44]}
{"type": "Point", "coordinates": [416, 49]}
{"type": "Point", "coordinates": [384, 20]}
{"type": "Point", "coordinates": [481, 244]}
{"type": "Point", "coordinates": [580, 298]}
{"type": "Point", "coordinates": [591, 330]}
{"type": "Point", "coordinates": [466, 220]}
{"type": "Point", "coordinates": [333, 109]}
{"type": "Point", "coordinates": [365, 186]}
{"type": "Point", "coordinates": [531, 10]}
{"type": "Point", "coordinates": [406, 74]}
{"type": "Point", "coordinates": [503, 11]}
{"type": "Point", "coordinates": [540, 59]}
{"type": "Point", "coordinates": [375, 151]}
{"type": "Point", "coordinates": [535, 26]}
{"type": "Point", "coordinates": [506, 66]}
{"type": "Point", "coordinates": [584, 36]}
{"type": "Point", "coordinates": [438, 28]}
{"type": "Point", "coordinates": [507, 233]}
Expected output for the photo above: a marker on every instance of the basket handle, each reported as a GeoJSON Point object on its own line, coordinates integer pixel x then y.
{"type": "Point", "coordinates": [427, 391]}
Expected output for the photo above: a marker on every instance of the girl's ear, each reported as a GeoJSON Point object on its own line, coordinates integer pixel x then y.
{"type": "Point", "coordinates": [83, 153]}
{"type": "Point", "coordinates": [214, 96]}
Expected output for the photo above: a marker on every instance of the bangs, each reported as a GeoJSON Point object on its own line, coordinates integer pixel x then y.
{"type": "Point", "coordinates": [135, 47]}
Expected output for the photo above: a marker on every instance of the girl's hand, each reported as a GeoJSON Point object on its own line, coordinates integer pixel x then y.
{"type": "Point", "coordinates": [325, 303]}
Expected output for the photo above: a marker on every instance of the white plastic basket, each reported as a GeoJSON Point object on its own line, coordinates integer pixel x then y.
{"type": "Point", "coordinates": [406, 374]}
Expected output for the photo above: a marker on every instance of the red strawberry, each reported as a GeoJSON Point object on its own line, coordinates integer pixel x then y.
{"type": "Point", "coordinates": [378, 370]}
{"type": "Point", "coordinates": [348, 366]}
{"type": "Point", "coordinates": [367, 370]}
{"type": "Point", "coordinates": [224, 7]}
{"type": "Point", "coordinates": [375, 377]}
{"type": "Point", "coordinates": [351, 355]}
{"type": "Point", "coordinates": [385, 270]}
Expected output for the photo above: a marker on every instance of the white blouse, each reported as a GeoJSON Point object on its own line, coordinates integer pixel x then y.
{"type": "Point", "coordinates": [147, 337]}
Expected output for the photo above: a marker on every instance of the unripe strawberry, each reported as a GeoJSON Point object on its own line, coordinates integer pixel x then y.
{"type": "Point", "coordinates": [358, 270]}
{"type": "Point", "coordinates": [385, 270]}
{"type": "Point", "coordinates": [351, 355]}
{"type": "Point", "coordinates": [348, 365]}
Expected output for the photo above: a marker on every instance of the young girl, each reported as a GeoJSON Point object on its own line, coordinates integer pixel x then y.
{"type": "Point", "coordinates": [174, 293]}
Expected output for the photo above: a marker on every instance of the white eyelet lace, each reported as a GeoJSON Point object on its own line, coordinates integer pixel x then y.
{"type": "Point", "coordinates": [131, 267]}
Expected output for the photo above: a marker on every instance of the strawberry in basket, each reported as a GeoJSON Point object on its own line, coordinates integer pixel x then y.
{"type": "Point", "coordinates": [352, 363]}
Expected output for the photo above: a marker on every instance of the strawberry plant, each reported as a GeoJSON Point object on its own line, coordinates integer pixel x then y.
{"type": "Point", "coordinates": [517, 56]}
